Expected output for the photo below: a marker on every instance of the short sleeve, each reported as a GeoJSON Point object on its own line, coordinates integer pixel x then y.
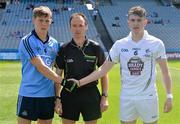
{"type": "Point", "coordinates": [27, 48]}
{"type": "Point", "coordinates": [60, 58]}
{"type": "Point", "coordinates": [114, 53]}
{"type": "Point", "coordinates": [161, 53]}
{"type": "Point", "coordinates": [101, 56]}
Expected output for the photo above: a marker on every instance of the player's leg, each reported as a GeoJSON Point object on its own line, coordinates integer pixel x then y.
{"type": "Point", "coordinates": [148, 110]}
{"type": "Point", "coordinates": [45, 109]}
{"type": "Point", "coordinates": [130, 122]}
{"type": "Point", "coordinates": [44, 121]}
{"type": "Point", "coordinates": [66, 121]}
{"type": "Point", "coordinates": [128, 112]}
{"type": "Point", "coordinates": [26, 110]}
{"type": "Point", "coordinates": [151, 123]}
{"type": "Point", "coordinates": [23, 121]}
{"type": "Point", "coordinates": [91, 122]}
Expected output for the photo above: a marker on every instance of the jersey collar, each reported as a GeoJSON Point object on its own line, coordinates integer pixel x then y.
{"type": "Point", "coordinates": [145, 37]}
{"type": "Point", "coordinates": [35, 34]}
{"type": "Point", "coordinates": [86, 42]}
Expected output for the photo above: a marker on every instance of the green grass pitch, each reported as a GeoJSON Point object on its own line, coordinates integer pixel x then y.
{"type": "Point", "coordinates": [10, 75]}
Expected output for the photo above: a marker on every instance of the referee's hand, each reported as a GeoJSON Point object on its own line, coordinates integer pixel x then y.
{"type": "Point", "coordinates": [104, 103]}
{"type": "Point", "coordinates": [69, 85]}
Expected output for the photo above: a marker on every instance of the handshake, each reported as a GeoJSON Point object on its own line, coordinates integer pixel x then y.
{"type": "Point", "coordinates": [69, 85]}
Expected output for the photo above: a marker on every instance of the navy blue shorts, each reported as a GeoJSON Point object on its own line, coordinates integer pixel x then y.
{"type": "Point", "coordinates": [85, 100]}
{"type": "Point", "coordinates": [32, 108]}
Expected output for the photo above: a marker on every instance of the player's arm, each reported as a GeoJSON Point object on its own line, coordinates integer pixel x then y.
{"type": "Point", "coordinates": [101, 71]}
{"type": "Point", "coordinates": [168, 84]}
{"type": "Point", "coordinates": [58, 106]}
{"type": "Point", "coordinates": [166, 75]}
{"type": "Point", "coordinates": [45, 70]}
{"type": "Point", "coordinates": [112, 58]}
{"type": "Point", "coordinates": [58, 86]}
{"type": "Point", "coordinates": [31, 53]}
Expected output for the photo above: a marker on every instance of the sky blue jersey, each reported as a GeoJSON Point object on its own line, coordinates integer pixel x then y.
{"type": "Point", "coordinates": [33, 83]}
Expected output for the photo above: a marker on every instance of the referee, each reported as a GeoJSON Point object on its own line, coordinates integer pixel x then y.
{"type": "Point", "coordinates": [77, 59]}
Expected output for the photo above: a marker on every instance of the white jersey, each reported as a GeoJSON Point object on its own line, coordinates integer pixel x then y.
{"type": "Point", "coordinates": [137, 65]}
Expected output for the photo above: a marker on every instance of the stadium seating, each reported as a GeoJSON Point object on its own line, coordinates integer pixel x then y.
{"type": "Point", "coordinates": [167, 29]}
{"type": "Point", "coordinates": [18, 23]}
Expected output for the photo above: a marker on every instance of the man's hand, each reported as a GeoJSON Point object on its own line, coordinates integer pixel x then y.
{"type": "Point", "coordinates": [168, 105]}
{"type": "Point", "coordinates": [69, 85]}
{"type": "Point", "coordinates": [104, 104]}
{"type": "Point", "coordinates": [58, 107]}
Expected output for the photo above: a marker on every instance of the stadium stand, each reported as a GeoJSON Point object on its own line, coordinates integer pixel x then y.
{"type": "Point", "coordinates": [18, 23]}
{"type": "Point", "coordinates": [165, 26]}
{"type": "Point", "coordinates": [15, 21]}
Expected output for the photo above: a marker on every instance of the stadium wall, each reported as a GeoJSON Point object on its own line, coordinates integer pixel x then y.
{"type": "Point", "coordinates": [173, 55]}
{"type": "Point", "coordinates": [9, 55]}
{"type": "Point", "coordinates": [13, 55]}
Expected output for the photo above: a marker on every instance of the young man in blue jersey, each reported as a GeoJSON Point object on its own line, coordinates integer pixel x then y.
{"type": "Point", "coordinates": [37, 51]}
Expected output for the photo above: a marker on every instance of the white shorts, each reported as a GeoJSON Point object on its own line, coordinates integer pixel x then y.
{"type": "Point", "coordinates": [146, 109]}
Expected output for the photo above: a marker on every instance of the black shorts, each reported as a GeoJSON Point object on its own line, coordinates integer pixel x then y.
{"type": "Point", "coordinates": [32, 108]}
{"type": "Point", "coordinates": [85, 100]}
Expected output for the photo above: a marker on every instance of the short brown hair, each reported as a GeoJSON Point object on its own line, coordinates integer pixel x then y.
{"type": "Point", "coordinates": [78, 14]}
{"type": "Point", "coordinates": [137, 10]}
{"type": "Point", "coordinates": [42, 11]}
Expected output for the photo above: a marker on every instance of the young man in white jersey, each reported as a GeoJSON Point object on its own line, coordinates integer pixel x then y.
{"type": "Point", "coordinates": [137, 55]}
